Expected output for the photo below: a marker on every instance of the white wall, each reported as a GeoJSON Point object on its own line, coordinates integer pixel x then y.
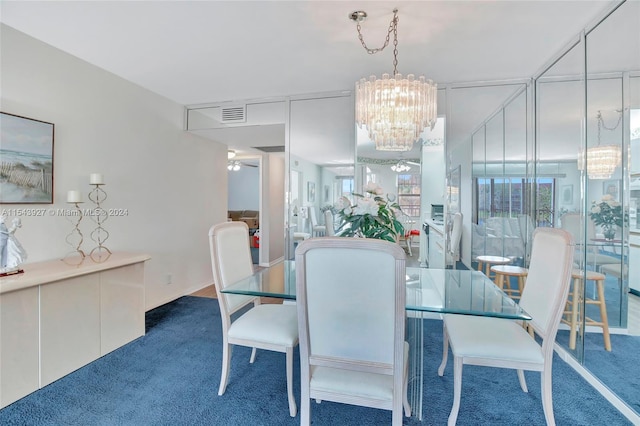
{"type": "Point", "coordinates": [244, 189]}
{"type": "Point", "coordinates": [172, 183]}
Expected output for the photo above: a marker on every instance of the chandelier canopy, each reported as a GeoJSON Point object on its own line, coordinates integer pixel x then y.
{"type": "Point", "coordinates": [601, 160]}
{"type": "Point", "coordinates": [394, 109]}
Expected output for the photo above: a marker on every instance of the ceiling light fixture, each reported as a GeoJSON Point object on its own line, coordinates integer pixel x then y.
{"type": "Point", "coordinates": [395, 110]}
{"type": "Point", "coordinates": [601, 160]}
{"type": "Point", "coordinates": [401, 167]}
{"type": "Point", "coordinates": [233, 166]}
{"type": "Point", "coordinates": [230, 154]}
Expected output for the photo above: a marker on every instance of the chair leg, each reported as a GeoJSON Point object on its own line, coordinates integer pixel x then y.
{"type": "Point", "coordinates": [445, 350]}
{"type": "Point", "coordinates": [603, 316]}
{"type": "Point", "coordinates": [292, 401]}
{"type": "Point", "coordinates": [523, 381]}
{"type": "Point", "coordinates": [574, 313]}
{"type": "Point", "coordinates": [405, 396]}
{"type": "Point", "coordinates": [226, 361]}
{"type": "Point", "coordinates": [457, 390]}
{"type": "Point", "coordinates": [253, 355]}
{"type": "Point", "coordinates": [305, 405]}
{"type": "Point", "coordinates": [547, 399]}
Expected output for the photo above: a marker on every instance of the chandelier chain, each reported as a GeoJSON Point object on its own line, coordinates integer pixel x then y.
{"type": "Point", "coordinates": [393, 28]}
{"type": "Point", "coordinates": [601, 124]}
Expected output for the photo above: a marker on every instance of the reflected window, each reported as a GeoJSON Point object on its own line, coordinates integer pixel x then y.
{"type": "Point", "coordinates": [409, 194]}
{"type": "Point", "coordinates": [505, 197]}
{"type": "Point", "coordinates": [345, 186]}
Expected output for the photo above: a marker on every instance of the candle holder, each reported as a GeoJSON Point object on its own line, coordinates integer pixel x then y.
{"type": "Point", "coordinates": [99, 235]}
{"type": "Point", "coordinates": [75, 239]}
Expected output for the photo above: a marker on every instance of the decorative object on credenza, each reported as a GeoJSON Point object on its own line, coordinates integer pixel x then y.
{"type": "Point", "coordinates": [75, 237]}
{"type": "Point", "coordinates": [12, 254]}
{"type": "Point", "coordinates": [26, 165]}
{"type": "Point", "coordinates": [99, 235]}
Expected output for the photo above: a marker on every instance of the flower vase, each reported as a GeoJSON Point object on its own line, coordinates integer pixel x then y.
{"type": "Point", "coordinates": [609, 232]}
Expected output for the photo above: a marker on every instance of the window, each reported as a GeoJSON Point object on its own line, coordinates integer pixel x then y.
{"type": "Point", "coordinates": [409, 194]}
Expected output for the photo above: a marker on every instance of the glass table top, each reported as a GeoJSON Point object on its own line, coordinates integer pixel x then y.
{"type": "Point", "coordinates": [428, 290]}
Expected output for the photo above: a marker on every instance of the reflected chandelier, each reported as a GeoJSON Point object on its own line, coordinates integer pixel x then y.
{"type": "Point", "coordinates": [401, 167]}
{"type": "Point", "coordinates": [601, 160]}
{"type": "Point", "coordinates": [395, 110]}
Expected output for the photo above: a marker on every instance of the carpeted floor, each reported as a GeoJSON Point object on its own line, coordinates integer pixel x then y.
{"type": "Point", "coordinates": [171, 376]}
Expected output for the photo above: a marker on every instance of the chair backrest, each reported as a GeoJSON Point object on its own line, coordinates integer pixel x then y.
{"type": "Point", "coordinates": [455, 236]}
{"type": "Point", "coordinates": [573, 223]}
{"type": "Point", "coordinates": [328, 223]}
{"type": "Point", "coordinates": [312, 216]}
{"type": "Point", "coordinates": [230, 262]}
{"type": "Point", "coordinates": [351, 296]}
{"type": "Point", "coordinates": [545, 293]}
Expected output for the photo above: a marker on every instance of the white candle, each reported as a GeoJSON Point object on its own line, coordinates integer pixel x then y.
{"type": "Point", "coordinates": [96, 179]}
{"type": "Point", "coordinates": [74, 197]}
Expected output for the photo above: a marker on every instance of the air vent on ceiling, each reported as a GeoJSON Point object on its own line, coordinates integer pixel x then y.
{"type": "Point", "coordinates": [279, 148]}
{"type": "Point", "coordinates": [234, 114]}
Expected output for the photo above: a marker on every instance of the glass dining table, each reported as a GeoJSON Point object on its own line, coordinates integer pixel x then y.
{"type": "Point", "coordinates": [430, 292]}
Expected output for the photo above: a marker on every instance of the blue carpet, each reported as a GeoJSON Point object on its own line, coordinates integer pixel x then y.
{"type": "Point", "coordinates": [171, 376]}
{"type": "Point", "coordinates": [618, 369]}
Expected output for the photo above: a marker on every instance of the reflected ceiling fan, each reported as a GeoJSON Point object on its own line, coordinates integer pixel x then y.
{"type": "Point", "coordinates": [234, 165]}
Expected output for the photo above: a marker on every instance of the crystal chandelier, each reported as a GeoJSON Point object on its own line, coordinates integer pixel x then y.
{"type": "Point", "coordinates": [233, 166]}
{"type": "Point", "coordinates": [394, 109]}
{"type": "Point", "coordinates": [601, 160]}
{"type": "Point", "coordinates": [401, 167]}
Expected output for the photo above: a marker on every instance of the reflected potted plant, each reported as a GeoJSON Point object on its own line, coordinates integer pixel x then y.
{"type": "Point", "coordinates": [608, 214]}
{"type": "Point", "coordinates": [371, 215]}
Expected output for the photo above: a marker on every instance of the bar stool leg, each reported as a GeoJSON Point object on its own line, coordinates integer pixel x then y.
{"type": "Point", "coordinates": [499, 281]}
{"type": "Point", "coordinates": [603, 315]}
{"type": "Point", "coordinates": [521, 284]}
{"type": "Point", "coordinates": [574, 313]}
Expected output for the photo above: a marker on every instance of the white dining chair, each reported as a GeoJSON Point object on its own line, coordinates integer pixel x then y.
{"type": "Point", "coordinates": [351, 296]}
{"type": "Point", "coordinates": [328, 224]}
{"type": "Point", "coordinates": [494, 342]}
{"type": "Point", "coordinates": [455, 235]}
{"type": "Point", "coordinates": [317, 230]}
{"type": "Point", "coordinates": [272, 327]}
{"type": "Point", "coordinates": [573, 223]}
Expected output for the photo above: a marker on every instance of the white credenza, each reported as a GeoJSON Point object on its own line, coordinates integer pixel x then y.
{"type": "Point", "coordinates": [56, 318]}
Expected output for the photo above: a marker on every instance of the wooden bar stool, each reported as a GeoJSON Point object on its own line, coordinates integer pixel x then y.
{"type": "Point", "coordinates": [504, 272]}
{"type": "Point", "coordinates": [487, 261]}
{"type": "Point", "coordinates": [575, 296]}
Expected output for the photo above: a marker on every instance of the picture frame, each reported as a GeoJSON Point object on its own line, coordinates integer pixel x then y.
{"type": "Point", "coordinates": [26, 160]}
{"type": "Point", "coordinates": [611, 187]}
{"type": "Point", "coordinates": [311, 192]}
{"type": "Point", "coordinates": [326, 194]}
{"type": "Point", "coordinates": [566, 194]}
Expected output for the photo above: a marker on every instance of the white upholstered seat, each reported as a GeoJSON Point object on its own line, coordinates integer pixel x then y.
{"type": "Point", "coordinates": [351, 310]}
{"type": "Point", "coordinates": [271, 326]}
{"type": "Point", "coordinates": [495, 342]}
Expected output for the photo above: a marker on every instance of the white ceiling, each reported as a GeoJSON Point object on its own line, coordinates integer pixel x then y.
{"type": "Point", "coordinates": [213, 51]}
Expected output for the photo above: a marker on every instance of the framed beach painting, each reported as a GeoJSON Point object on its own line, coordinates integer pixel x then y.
{"type": "Point", "coordinates": [26, 160]}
